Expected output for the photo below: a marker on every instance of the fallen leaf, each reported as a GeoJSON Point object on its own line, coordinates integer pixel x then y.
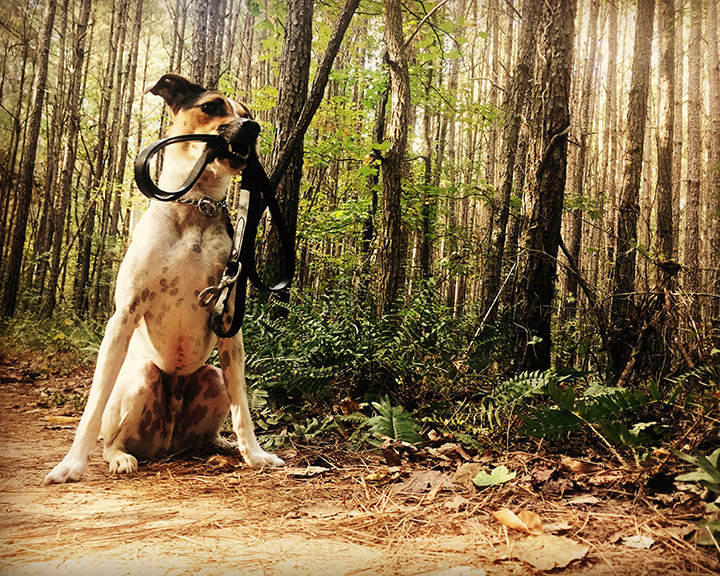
{"type": "Point", "coordinates": [548, 551]}
{"type": "Point", "coordinates": [466, 473]}
{"type": "Point", "coordinates": [61, 419]}
{"type": "Point", "coordinates": [557, 527]}
{"type": "Point", "coordinates": [306, 472]}
{"type": "Point", "coordinates": [583, 500]}
{"type": "Point", "coordinates": [499, 475]}
{"type": "Point", "coordinates": [531, 520]}
{"type": "Point", "coordinates": [511, 520]}
{"type": "Point", "coordinates": [423, 481]}
{"type": "Point", "coordinates": [456, 502]}
{"type": "Point", "coordinates": [638, 542]}
{"type": "Point", "coordinates": [578, 466]}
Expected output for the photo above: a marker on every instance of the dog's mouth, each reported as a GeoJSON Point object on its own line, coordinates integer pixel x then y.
{"type": "Point", "coordinates": [236, 154]}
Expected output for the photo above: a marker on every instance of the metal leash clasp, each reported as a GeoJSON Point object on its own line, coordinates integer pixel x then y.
{"type": "Point", "coordinates": [231, 275]}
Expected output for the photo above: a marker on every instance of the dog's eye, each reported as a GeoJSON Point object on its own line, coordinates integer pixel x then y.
{"type": "Point", "coordinates": [210, 108]}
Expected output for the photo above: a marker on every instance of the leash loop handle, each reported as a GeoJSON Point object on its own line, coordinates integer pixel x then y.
{"type": "Point", "coordinates": [144, 180]}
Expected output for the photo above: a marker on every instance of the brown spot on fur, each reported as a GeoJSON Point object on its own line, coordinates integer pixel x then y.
{"type": "Point", "coordinates": [196, 415]}
{"type": "Point", "coordinates": [174, 292]}
{"type": "Point", "coordinates": [163, 285]}
{"type": "Point", "coordinates": [149, 316]}
{"type": "Point", "coordinates": [225, 358]}
{"type": "Point", "coordinates": [179, 302]}
{"type": "Point", "coordinates": [175, 281]}
{"type": "Point", "coordinates": [196, 248]}
{"type": "Point", "coordinates": [134, 305]}
{"type": "Point", "coordinates": [211, 280]}
{"type": "Point", "coordinates": [152, 295]}
{"type": "Point", "coordinates": [145, 294]}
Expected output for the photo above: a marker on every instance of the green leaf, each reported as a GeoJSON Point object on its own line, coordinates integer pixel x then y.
{"type": "Point", "coordinates": [499, 475]}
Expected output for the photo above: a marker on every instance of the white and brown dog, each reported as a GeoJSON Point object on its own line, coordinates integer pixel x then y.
{"type": "Point", "coordinates": [152, 393]}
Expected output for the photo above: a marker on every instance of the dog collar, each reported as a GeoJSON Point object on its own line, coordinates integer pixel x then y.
{"type": "Point", "coordinates": [206, 205]}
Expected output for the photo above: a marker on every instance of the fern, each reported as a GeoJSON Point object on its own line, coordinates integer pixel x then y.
{"type": "Point", "coordinates": [600, 406]}
{"type": "Point", "coordinates": [512, 393]}
{"type": "Point", "coordinates": [393, 422]}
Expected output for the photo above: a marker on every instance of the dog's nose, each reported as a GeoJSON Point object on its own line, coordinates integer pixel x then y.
{"type": "Point", "coordinates": [242, 130]}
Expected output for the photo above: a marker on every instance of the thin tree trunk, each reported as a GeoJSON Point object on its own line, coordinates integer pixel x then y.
{"type": "Point", "coordinates": [713, 167]}
{"type": "Point", "coordinates": [69, 157]}
{"type": "Point", "coordinates": [27, 168]}
{"type": "Point", "coordinates": [665, 138]}
{"type": "Point", "coordinates": [570, 306]}
{"type": "Point", "coordinates": [624, 275]}
{"type": "Point", "coordinates": [513, 108]}
{"type": "Point", "coordinates": [389, 249]}
{"type": "Point", "coordinates": [691, 280]}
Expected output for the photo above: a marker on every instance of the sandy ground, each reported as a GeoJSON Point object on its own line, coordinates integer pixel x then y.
{"type": "Point", "coordinates": [208, 514]}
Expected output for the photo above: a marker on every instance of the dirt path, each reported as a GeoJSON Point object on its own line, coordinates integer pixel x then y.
{"type": "Point", "coordinates": [210, 515]}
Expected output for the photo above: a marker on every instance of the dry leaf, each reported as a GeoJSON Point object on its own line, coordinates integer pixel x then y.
{"type": "Point", "coordinates": [548, 551]}
{"type": "Point", "coordinates": [578, 466]}
{"type": "Point", "coordinates": [638, 542]}
{"type": "Point", "coordinates": [61, 419]}
{"type": "Point", "coordinates": [423, 481]}
{"type": "Point", "coordinates": [511, 520]}
{"type": "Point", "coordinates": [306, 472]}
{"type": "Point", "coordinates": [583, 500]}
{"type": "Point", "coordinates": [532, 521]}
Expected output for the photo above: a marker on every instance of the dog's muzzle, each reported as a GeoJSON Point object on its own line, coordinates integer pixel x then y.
{"type": "Point", "coordinates": [241, 136]}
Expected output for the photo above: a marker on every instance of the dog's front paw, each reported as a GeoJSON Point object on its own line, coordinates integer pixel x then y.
{"type": "Point", "coordinates": [261, 459]}
{"type": "Point", "coordinates": [66, 471]}
{"type": "Point", "coordinates": [123, 464]}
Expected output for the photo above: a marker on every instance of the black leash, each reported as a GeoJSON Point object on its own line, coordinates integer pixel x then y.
{"type": "Point", "coordinates": [241, 263]}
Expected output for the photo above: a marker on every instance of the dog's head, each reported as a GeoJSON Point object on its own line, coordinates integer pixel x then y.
{"type": "Point", "coordinates": [195, 110]}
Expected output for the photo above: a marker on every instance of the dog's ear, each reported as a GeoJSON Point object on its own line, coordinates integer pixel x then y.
{"type": "Point", "coordinates": [174, 89]}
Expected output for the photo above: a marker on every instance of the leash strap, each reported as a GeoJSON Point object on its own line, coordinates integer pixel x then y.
{"type": "Point", "coordinates": [241, 263]}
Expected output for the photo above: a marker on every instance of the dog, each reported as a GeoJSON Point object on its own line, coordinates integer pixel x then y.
{"type": "Point", "coordinates": [152, 392]}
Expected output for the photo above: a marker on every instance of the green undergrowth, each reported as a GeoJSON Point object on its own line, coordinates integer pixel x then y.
{"type": "Point", "coordinates": [325, 367]}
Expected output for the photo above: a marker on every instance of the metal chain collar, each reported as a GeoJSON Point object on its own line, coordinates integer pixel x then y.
{"type": "Point", "coordinates": [206, 205]}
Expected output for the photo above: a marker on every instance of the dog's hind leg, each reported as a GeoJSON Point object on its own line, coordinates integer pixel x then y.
{"type": "Point", "coordinates": [135, 421]}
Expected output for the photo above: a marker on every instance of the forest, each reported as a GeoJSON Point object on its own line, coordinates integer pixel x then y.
{"type": "Point", "coordinates": [496, 205]}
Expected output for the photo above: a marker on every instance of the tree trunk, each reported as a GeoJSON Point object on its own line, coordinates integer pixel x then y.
{"type": "Point", "coordinates": [570, 306]}
{"type": "Point", "coordinates": [666, 110]}
{"type": "Point", "coordinates": [69, 156]}
{"type": "Point", "coordinates": [389, 249]}
{"type": "Point", "coordinates": [544, 200]}
{"type": "Point", "coordinates": [27, 168]}
{"type": "Point", "coordinates": [713, 167]}
{"type": "Point", "coordinates": [624, 275]}
{"type": "Point", "coordinates": [691, 280]}
{"type": "Point", "coordinates": [513, 107]}
{"type": "Point", "coordinates": [199, 47]}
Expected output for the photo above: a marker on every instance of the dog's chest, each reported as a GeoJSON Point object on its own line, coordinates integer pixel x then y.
{"type": "Point", "coordinates": [175, 323]}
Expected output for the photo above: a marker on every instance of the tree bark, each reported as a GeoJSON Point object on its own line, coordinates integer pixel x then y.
{"type": "Point", "coordinates": [691, 280]}
{"type": "Point", "coordinates": [69, 156]}
{"type": "Point", "coordinates": [389, 249]}
{"type": "Point", "coordinates": [513, 107]}
{"type": "Point", "coordinates": [544, 200]}
{"type": "Point", "coordinates": [665, 139]}
{"type": "Point", "coordinates": [713, 166]}
{"type": "Point", "coordinates": [624, 274]}
{"type": "Point", "coordinates": [27, 168]}
{"type": "Point", "coordinates": [569, 307]}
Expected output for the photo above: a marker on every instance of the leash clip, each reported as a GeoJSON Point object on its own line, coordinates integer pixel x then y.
{"type": "Point", "coordinates": [212, 293]}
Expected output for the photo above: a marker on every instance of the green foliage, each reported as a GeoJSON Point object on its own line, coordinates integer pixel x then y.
{"type": "Point", "coordinates": [601, 406]}
{"type": "Point", "coordinates": [707, 473]}
{"type": "Point", "coordinates": [393, 422]}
